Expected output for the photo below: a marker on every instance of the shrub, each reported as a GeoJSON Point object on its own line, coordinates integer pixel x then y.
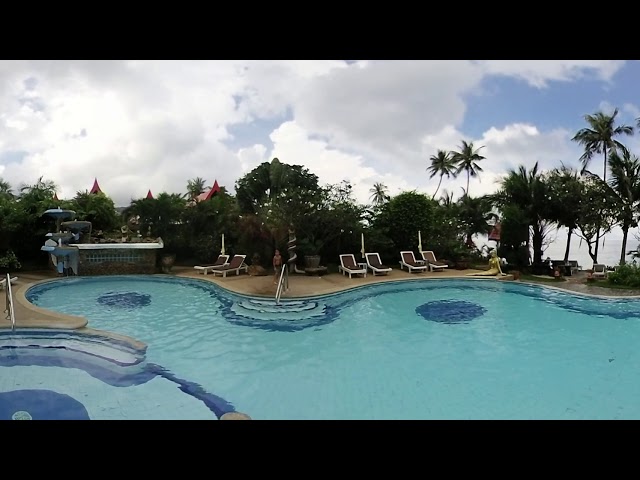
{"type": "Point", "coordinates": [626, 275]}
{"type": "Point", "coordinates": [9, 261]}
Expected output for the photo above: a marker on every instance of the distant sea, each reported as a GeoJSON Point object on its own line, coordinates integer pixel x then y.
{"type": "Point", "coordinates": [609, 254]}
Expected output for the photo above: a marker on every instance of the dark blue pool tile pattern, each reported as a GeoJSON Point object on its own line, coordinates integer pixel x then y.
{"type": "Point", "coordinates": [450, 311]}
{"type": "Point", "coordinates": [40, 405]}
{"type": "Point", "coordinates": [59, 349]}
{"type": "Point", "coordinates": [125, 300]}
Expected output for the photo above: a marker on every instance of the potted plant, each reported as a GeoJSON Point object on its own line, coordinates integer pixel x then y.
{"type": "Point", "coordinates": [311, 246]}
{"type": "Point", "coordinates": [9, 262]}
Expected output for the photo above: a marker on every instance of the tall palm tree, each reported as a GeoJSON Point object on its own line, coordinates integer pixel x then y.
{"type": "Point", "coordinates": [441, 164]}
{"type": "Point", "coordinates": [599, 138]}
{"type": "Point", "coordinates": [467, 159]}
{"type": "Point", "coordinates": [625, 182]}
{"type": "Point", "coordinates": [379, 194]}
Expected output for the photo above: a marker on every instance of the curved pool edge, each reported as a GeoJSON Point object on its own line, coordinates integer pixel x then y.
{"type": "Point", "coordinates": [28, 315]}
{"type": "Point", "coordinates": [219, 282]}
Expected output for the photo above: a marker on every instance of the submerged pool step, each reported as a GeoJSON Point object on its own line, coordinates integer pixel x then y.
{"type": "Point", "coordinates": [264, 309]}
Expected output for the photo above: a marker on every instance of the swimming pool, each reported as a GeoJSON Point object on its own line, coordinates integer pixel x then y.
{"type": "Point", "coordinates": [419, 349]}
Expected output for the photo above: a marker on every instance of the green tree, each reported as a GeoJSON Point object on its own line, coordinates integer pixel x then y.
{"type": "Point", "coordinates": [281, 195]}
{"type": "Point", "coordinates": [599, 137]}
{"type": "Point", "coordinates": [565, 192]}
{"type": "Point", "coordinates": [527, 190]}
{"type": "Point", "coordinates": [403, 216]}
{"type": "Point", "coordinates": [625, 182]}
{"type": "Point", "coordinates": [442, 164]}
{"type": "Point", "coordinates": [598, 211]}
{"type": "Point", "coordinates": [96, 208]}
{"type": "Point", "coordinates": [195, 187]}
{"type": "Point", "coordinates": [474, 215]}
{"type": "Point", "coordinates": [379, 194]}
{"type": "Point", "coordinates": [467, 159]}
{"type": "Point", "coordinates": [5, 189]}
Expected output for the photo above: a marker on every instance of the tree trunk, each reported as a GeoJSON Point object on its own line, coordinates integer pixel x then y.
{"type": "Point", "coordinates": [604, 178]}
{"type": "Point", "coordinates": [436, 192]}
{"type": "Point", "coordinates": [467, 183]}
{"type": "Point", "coordinates": [625, 231]}
{"type": "Point", "coordinates": [537, 244]}
{"type": "Point", "coordinates": [566, 252]}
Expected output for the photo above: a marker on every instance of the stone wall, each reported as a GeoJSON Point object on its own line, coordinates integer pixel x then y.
{"type": "Point", "coordinates": [117, 261]}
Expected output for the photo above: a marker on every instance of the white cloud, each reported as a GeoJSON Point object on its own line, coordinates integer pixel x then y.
{"type": "Point", "coordinates": [538, 73]}
{"type": "Point", "coordinates": [139, 125]}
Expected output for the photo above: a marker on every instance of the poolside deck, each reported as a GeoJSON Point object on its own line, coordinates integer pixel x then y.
{"type": "Point", "coordinates": [29, 316]}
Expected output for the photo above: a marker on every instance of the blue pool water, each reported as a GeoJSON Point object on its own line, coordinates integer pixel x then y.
{"type": "Point", "coordinates": [420, 349]}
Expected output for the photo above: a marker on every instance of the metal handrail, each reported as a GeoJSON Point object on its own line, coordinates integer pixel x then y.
{"type": "Point", "coordinates": [9, 303]}
{"type": "Point", "coordinates": [283, 283]}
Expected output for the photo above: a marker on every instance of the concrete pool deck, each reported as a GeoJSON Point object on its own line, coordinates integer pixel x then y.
{"type": "Point", "coordinates": [29, 316]}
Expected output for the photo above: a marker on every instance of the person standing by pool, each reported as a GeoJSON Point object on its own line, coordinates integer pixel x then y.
{"type": "Point", "coordinates": [277, 266]}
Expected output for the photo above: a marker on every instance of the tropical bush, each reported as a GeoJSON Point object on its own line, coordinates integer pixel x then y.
{"type": "Point", "coordinates": [626, 275]}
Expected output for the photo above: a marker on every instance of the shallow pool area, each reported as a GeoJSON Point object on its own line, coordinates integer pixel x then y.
{"type": "Point", "coordinates": [419, 349]}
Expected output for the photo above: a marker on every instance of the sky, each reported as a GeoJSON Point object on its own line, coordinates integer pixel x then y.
{"type": "Point", "coordinates": [140, 125]}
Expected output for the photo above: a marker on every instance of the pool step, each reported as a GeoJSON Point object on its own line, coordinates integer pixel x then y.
{"type": "Point", "coordinates": [266, 310]}
{"type": "Point", "coordinates": [52, 341]}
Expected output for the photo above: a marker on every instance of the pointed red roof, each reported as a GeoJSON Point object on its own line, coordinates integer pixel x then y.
{"type": "Point", "coordinates": [96, 187]}
{"type": "Point", "coordinates": [207, 195]}
{"type": "Point", "coordinates": [55, 196]}
{"type": "Point", "coordinates": [149, 195]}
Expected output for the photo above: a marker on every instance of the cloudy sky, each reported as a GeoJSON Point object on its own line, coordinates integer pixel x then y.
{"type": "Point", "coordinates": [139, 125]}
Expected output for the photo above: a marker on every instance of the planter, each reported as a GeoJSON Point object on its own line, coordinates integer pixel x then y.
{"type": "Point", "coordinates": [311, 261]}
{"type": "Point", "coordinates": [462, 264]}
{"type": "Point", "coordinates": [166, 261]}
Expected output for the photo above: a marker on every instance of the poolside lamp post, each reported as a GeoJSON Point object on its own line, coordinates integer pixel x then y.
{"type": "Point", "coordinates": [362, 249]}
{"type": "Point", "coordinates": [222, 249]}
{"type": "Point", "coordinates": [419, 241]}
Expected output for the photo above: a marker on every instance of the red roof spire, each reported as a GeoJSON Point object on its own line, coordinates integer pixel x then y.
{"type": "Point", "coordinates": [207, 195]}
{"type": "Point", "coordinates": [55, 196]}
{"type": "Point", "coordinates": [149, 195]}
{"type": "Point", "coordinates": [96, 187]}
{"type": "Point", "coordinates": [215, 189]}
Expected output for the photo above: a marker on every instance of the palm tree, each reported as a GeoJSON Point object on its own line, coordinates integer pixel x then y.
{"type": "Point", "coordinates": [379, 194]}
{"type": "Point", "coordinates": [195, 187]}
{"type": "Point", "coordinates": [466, 159]}
{"type": "Point", "coordinates": [599, 138]}
{"type": "Point", "coordinates": [528, 191]}
{"type": "Point", "coordinates": [5, 189]}
{"type": "Point", "coordinates": [441, 164]}
{"type": "Point", "coordinates": [625, 182]}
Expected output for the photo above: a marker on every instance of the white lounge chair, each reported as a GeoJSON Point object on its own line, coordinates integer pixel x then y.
{"type": "Point", "coordinates": [408, 260]}
{"type": "Point", "coordinates": [349, 265]}
{"type": "Point", "coordinates": [220, 262]}
{"type": "Point", "coordinates": [375, 264]}
{"type": "Point", "coordinates": [433, 264]}
{"type": "Point", "coordinates": [3, 281]}
{"type": "Point", "coordinates": [235, 265]}
{"type": "Point", "coordinates": [599, 270]}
